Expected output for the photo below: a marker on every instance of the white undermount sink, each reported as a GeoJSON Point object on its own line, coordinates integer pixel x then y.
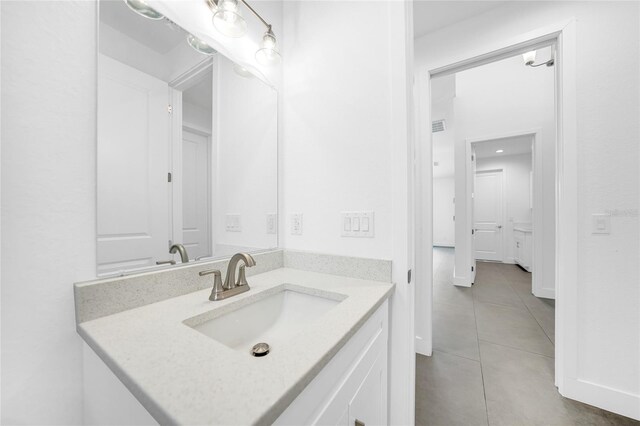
{"type": "Point", "coordinates": [274, 319]}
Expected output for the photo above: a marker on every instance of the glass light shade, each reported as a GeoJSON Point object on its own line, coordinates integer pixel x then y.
{"type": "Point", "coordinates": [268, 53]}
{"type": "Point", "coordinates": [228, 20]}
{"type": "Point", "coordinates": [199, 45]}
{"type": "Point", "coordinates": [143, 9]}
{"type": "Point", "coordinates": [529, 57]}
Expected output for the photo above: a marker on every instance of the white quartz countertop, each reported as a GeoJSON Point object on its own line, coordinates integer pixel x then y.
{"type": "Point", "coordinates": [184, 377]}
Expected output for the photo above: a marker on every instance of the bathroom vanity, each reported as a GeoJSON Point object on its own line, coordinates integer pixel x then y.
{"type": "Point", "coordinates": [188, 360]}
{"type": "Point", "coordinates": [523, 246]}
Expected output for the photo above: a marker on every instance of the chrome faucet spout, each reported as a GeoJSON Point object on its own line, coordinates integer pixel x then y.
{"type": "Point", "coordinates": [230, 280]}
{"type": "Point", "coordinates": [184, 257]}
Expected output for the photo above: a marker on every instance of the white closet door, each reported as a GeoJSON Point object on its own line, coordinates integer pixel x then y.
{"type": "Point", "coordinates": [487, 211]}
{"type": "Point", "coordinates": [133, 165]}
{"type": "Point", "coordinates": [195, 194]}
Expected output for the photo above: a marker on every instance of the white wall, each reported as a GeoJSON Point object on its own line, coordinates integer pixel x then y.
{"type": "Point", "coordinates": [345, 134]}
{"type": "Point", "coordinates": [48, 204]}
{"type": "Point", "coordinates": [606, 339]}
{"type": "Point", "coordinates": [443, 212]}
{"type": "Point", "coordinates": [516, 197]}
{"type": "Point", "coordinates": [246, 162]}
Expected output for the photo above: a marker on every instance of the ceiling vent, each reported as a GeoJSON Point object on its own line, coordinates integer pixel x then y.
{"type": "Point", "coordinates": [438, 126]}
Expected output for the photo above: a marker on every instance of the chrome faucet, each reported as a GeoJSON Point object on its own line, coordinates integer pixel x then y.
{"type": "Point", "coordinates": [184, 257]}
{"type": "Point", "coordinates": [231, 286]}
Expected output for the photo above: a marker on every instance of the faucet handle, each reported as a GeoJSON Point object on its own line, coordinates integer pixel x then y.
{"type": "Point", "coordinates": [217, 290]}
{"type": "Point", "coordinates": [166, 262]}
{"type": "Point", "coordinates": [242, 277]}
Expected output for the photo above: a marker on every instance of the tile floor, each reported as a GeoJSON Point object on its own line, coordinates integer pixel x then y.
{"type": "Point", "coordinates": [492, 361]}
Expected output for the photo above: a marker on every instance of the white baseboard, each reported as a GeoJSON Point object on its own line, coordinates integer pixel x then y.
{"type": "Point", "coordinates": [545, 293]}
{"type": "Point", "coordinates": [614, 400]}
{"type": "Point", "coordinates": [423, 347]}
{"type": "Point", "coordinates": [461, 281]}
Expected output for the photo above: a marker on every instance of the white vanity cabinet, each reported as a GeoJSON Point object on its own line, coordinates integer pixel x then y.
{"type": "Point", "coordinates": [352, 388]}
{"type": "Point", "coordinates": [523, 247]}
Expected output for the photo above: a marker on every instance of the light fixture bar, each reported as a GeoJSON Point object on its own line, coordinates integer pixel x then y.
{"type": "Point", "coordinates": [213, 4]}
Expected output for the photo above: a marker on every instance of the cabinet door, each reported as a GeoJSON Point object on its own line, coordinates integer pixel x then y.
{"type": "Point", "coordinates": [517, 246]}
{"type": "Point", "coordinates": [367, 407]}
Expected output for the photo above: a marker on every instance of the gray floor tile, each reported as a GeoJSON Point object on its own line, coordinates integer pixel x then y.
{"type": "Point", "coordinates": [444, 292]}
{"type": "Point", "coordinates": [449, 391]}
{"type": "Point", "coordinates": [454, 330]}
{"type": "Point", "coordinates": [519, 388]}
{"type": "Point", "coordinates": [511, 327]}
{"type": "Point", "coordinates": [497, 293]}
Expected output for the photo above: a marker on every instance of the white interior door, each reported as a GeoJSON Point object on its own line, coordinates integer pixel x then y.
{"type": "Point", "coordinates": [487, 214]}
{"type": "Point", "coordinates": [471, 204]}
{"type": "Point", "coordinates": [133, 162]}
{"type": "Point", "coordinates": [195, 194]}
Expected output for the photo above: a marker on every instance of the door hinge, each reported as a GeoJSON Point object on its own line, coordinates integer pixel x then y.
{"type": "Point", "coordinates": [409, 277]}
{"type": "Point", "coordinates": [472, 269]}
{"type": "Point", "coordinates": [169, 177]}
{"type": "Point", "coordinates": [473, 232]}
{"type": "Point", "coordinates": [473, 157]}
{"type": "Point", "coordinates": [169, 109]}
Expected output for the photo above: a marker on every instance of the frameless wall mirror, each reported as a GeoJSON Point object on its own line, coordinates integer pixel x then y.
{"type": "Point", "coordinates": [187, 147]}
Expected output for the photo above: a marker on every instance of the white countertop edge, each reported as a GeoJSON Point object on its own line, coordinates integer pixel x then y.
{"type": "Point", "coordinates": [270, 413]}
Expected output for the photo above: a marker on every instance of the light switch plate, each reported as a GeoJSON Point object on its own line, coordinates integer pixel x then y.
{"type": "Point", "coordinates": [296, 224]}
{"type": "Point", "coordinates": [233, 223]}
{"type": "Point", "coordinates": [357, 224]}
{"type": "Point", "coordinates": [601, 223]}
{"type": "Point", "coordinates": [272, 223]}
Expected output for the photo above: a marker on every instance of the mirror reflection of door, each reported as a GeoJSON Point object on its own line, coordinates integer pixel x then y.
{"type": "Point", "coordinates": [487, 213]}
{"type": "Point", "coordinates": [133, 149]}
{"type": "Point", "coordinates": [195, 193]}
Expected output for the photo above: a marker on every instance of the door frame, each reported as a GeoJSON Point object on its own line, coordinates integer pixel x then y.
{"type": "Point", "coordinates": [503, 209]}
{"type": "Point", "coordinates": [563, 35]}
{"type": "Point", "coordinates": [537, 274]}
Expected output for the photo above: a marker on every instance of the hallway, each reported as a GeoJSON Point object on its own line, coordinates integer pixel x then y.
{"type": "Point", "coordinates": [493, 357]}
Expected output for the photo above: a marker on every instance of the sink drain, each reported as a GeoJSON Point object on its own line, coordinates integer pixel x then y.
{"type": "Point", "coordinates": [260, 349]}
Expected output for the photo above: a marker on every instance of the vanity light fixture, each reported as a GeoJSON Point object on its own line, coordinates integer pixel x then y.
{"type": "Point", "coordinates": [499, 151]}
{"type": "Point", "coordinates": [529, 59]}
{"type": "Point", "coordinates": [143, 9]}
{"type": "Point", "coordinates": [200, 46]}
{"type": "Point", "coordinates": [227, 20]}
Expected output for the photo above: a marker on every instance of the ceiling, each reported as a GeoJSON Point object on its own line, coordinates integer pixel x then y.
{"type": "Point", "coordinates": [161, 36]}
{"type": "Point", "coordinates": [510, 146]}
{"type": "Point", "coordinates": [430, 16]}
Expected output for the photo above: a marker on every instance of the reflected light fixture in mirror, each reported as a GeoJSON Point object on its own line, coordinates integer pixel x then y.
{"type": "Point", "coordinates": [199, 45]}
{"type": "Point", "coordinates": [143, 9]}
{"type": "Point", "coordinates": [227, 19]}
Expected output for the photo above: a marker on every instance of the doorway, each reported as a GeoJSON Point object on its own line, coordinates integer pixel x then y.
{"type": "Point", "coordinates": [565, 182]}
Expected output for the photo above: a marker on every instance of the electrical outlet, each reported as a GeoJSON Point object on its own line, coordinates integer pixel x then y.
{"type": "Point", "coordinates": [296, 224]}
{"type": "Point", "coordinates": [232, 223]}
{"type": "Point", "coordinates": [357, 224]}
{"type": "Point", "coordinates": [272, 223]}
